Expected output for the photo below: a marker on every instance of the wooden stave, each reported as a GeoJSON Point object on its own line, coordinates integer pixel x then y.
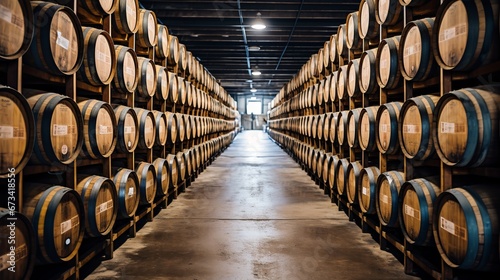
{"type": "Point", "coordinates": [146, 174]}
{"type": "Point", "coordinates": [368, 206]}
{"type": "Point", "coordinates": [122, 176]}
{"type": "Point", "coordinates": [119, 83]}
{"type": "Point", "coordinates": [393, 109]}
{"type": "Point", "coordinates": [143, 116]}
{"type": "Point", "coordinates": [353, 176]}
{"type": "Point", "coordinates": [395, 180]}
{"type": "Point", "coordinates": [119, 18]}
{"type": "Point", "coordinates": [88, 70]}
{"type": "Point", "coordinates": [28, 33]}
{"type": "Point", "coordinates": [121, 113]}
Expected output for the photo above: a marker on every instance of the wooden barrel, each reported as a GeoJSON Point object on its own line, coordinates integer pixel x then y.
{"type": "Point", "coordinates": [187, 161]}
{"type": "Point", "coordinates": [342, 127]}
{"type": "Point", "coordinates": [162, 172]}
{"type": "Point", "coordinates": [320, 88]}
{"type": "Point", "coordinates": [147, 34]}
{"type": "Point", "coordinates": [162, 49]}
{"type": "Point", "coordinates": [127, 126]}
{"type": "Point", "coordinates": [314, 127]}
{"type": "Point", "coordinates": [388, 72]}
{"type": "Point", "coordinates": [353, 78]}
{"type": "Point", "coordinates": [187, 127]}
{"type": "Point", "coordinates": [127, 186]}
{"type": "Point", "coordinates": [368, 26]}
{"type": "Point", "coordinates": [326, 165]}
{"type": "Point", "coordinates": [342, 179]}
{"type": "Point", "coordinates": [333, 127]}
{"type": "Point", "coordinates": [126, 17]}
{"type": "Point", "coordinates": [333, 86]}
{"type": "Point", "coordinates": [173, 91]}
{"type": "Point", "coordinates": [171, 127]}
{"type": "Point", "coordinates": [326, 55]}
{"type": "Point", "coordinates": [57, 46]}
{"type": "Point", "coordinates": [16, 30]}
{"type": "Point", "coordinates": [466, 227]}
{"type": "Point", "coordinates": [387, 201]}
{"type": "Point", "coordinates": [173, 170]}
{"type": "Point", "coordinates": [162, 84]}
{"type": "Point", "coordinates": [99, 197]}
{"type": "Point", "coordinates": [387, 127]}
{"type": "Point", "coordinates": [58, 128]}
{"type": "Point", "coordinates": [181, 166]}
{"type": "Point", "coordinates": [334, 56]}
{"type": "Point", "coordinates": [173, 56]}
{"type": "Point", "coordinates": [22, 258]}
{"type": "Point", "coordinates": [99, 57]}
{"type": "Point", "coordinates": [146, 86]}
{"type": "Point", "coordinates": [327, 83]}
{"type": "Point", "coordinates": [326, 126]}
{"type": "Point", "coordinates": [465, 34]}
{"type": "Point", "coordinates": [58, 215]}
{"type": "Point", "coordinates": [183, 57]}
{"type": "Point", "coordinates": [353, 40]}
{"type": "Point", "coordinates": [319, 165]}
{"type": "Point", "coordinates": [389, 12]}
{"type": "Point", "coordinates": [366, 128]}
{"type": "Point", "coordinates": [99, 129]}
{"type": "Point", "coordinates": [416, 56]}
{"type": "Point", "coordinates": [146, 174]}
{"type": "Point", "coordinates": [368, 72]}
{"type": "Point", "coordinates": [367, 189]}
{"type": "Point", "coordinates": [127, 70]}
{"type": "Point", "coordinates": [181, 132]}
{"type": "Point", "coordinates": [342, 48]}
{"type": "Point", "coordinates": [17, 131]}
{"type": "Point", "coordinates": [414, 127]}
{"type": "Point", "coordinates": [161, 127]}
{"type": "Point", "coordinates": [342, 83]}
{"type": "Point", "coordinates": [97, 7]}
{"type": "Point", "coordinates": [416, 202]}
{"type": "Point", "coordinates": [147, 128]}
{"type": "Point", "coordinates": [181, 89]}
{"type": "Point", "coordinates": [352, 127]}
{"type": "Point", "coordinates": [353, 174]}
{"type": "Point", "coordinates": [466, 127]}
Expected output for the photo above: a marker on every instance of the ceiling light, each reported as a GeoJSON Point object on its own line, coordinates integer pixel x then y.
{"type": "Point", "coordinates": [254, 48]}
{"type": "Point", "coordinates": [256, 72]}
{"type": "Point", "coordinates": [225, 36]}
{"type": "Point", "coordinates": [258, 23]}
{"type": "Point", "coordinates": [253, 90]}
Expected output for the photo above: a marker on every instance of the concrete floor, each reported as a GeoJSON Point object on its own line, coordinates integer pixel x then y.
{"type": "Point", "coordinates": [252, 214]}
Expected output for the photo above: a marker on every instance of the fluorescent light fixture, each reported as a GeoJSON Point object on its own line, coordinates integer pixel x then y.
{"type": "Point", "coordinates": [256, 72]}
{"type": "Point", "coordinates": [258, 23]}
{"type": "Point", "coordinates": [254, 48]}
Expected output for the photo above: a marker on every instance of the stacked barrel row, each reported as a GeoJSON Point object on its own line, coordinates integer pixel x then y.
{"type": "Point", "coordinates": [146, 118]}
{"type": "Point", "coordinates": [373, 117]}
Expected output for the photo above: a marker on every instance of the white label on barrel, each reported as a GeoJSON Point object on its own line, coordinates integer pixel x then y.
{"type": "Point", "coordinates": [364, 191]}
{"type": "Point", "coordinates": [385, 199]}
{"type": "Point", "coordinates": [69, 224]}
{"type": "Point", "coordinates": [103, 207]}
{"type": "Point", "coordinates": [129, 70]}
{"type": "Point", "coordinates": [412, 212]}
{"type": "Point", "coordinates": [130, 191]}
{"type": "Point", "coordinates": [61, 41]}
{"type": "Point", "coordinates": [148, 129]}
{"type": "Point", "coordinates": [101, 56]}
{"type": "Point", "coordinates": [6, 132]}
{"type": "Point", "coordinates": [129, 129]}
{"type": "Point", "coordinates": [383, 127]}
{"type": "Point", "coordinates": [447, 225]}
{"type": "Point", "coordinates": [383, 64]}
{"type": "Point", "coordinates": [104, 129]}
{"type": "Point", "coordinates": [64, 149]}
{"type": "Point", "coordinates": [410, 128]}
{"type": "Point", "coordinates": [59, 130]}
{"type": "Point", "coordinates": [447, 127]}
{"type": "Point", "coordinates": [452, 32]}
{"type": "Point", "coordinates": [5, 14]}
{"type": "Point", "coordinates": [411, 50]}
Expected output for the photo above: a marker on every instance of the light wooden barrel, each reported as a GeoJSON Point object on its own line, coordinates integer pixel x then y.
{"type": "Point", "coordinates": [388, 72]}
{"type": "Point", "coordinates": [342, 48]}
{"type": "Point", "coordinates": [171, 127]}
{"type": "Point", "coordinates": [17, 29]}
{"type": "Point", "coordinates": [127, 186]}
{"type": "Point", "coordinates": [341, 176]}
{"type": "Point", "coordinates": [326, 126]}
{"type": "Point", "coordinates": [353, 78]}
{"type": "Point", "coordinates": [99, 57]}
{"type": "Point", "coordinates": [146, 174]}
{"type": "Point", "coordinates": [353, 175]}
{"type": "Point", "coordinates": [333, 127]}
{"type": "Point", "coordinates": [183, 57]}
{"type": "Point", "coordinates": [416, 55]}
{"type": "Point", "coordinates": [161, 127]}
{"type": "Point", "coordinates": [162, 84]}
{"type": "Point", "coordinates": [466, 127]}
{"type": "Point", "coordinates": [58, 128]}
{"type": "Point", "coordinates": [327, 83]}
{"type": "Point", "coordinates": [333, 86]}
{"type": "Point", "coordinates": [57, 214]}
{"type": "Point", "coordinates": [368, 26]}
{"type": "Point", "coordinates": [353, 40]}
{"type": "Point", "coordinates": [127, 126]}
{"type": "Point", "coordinates": [465, 34]}
{"type": "Point", "coordinates": [352, 127]}
{"type": "Point", "coordinates": [416, 204]}
{"type": "Point", "coordinates": [187, 127]}
{"type": "Point", "coordinates": [181, 132]}
{"type": "Point", "coordinates": [334, 56]}
{"type": "Point", "coordinates": [466, 227]}
{"type": "Point", "coordinates": [342, 83]}
{"type": "Point", "coordinates": [173, 56]}
{"type": "Point", "coordinates": [414, 127]}
{"type": "Point", "coordinates": [126, 17]}
{"type": "Point", "coordinates": [23, 257]}
{"type": "Point", "coordinates": [342, 127]}
{"type": "Point", "coordinates": [97, 7]}
{"type": "Point", "coordinates": [319, 166]}
{"type": "Point", "coordinates": [366, 128]}
{"type": "Point", "coordinates": [147, 128]}
{"type": "Point", "coordinates": [187, 161]}
{"type": "Point", "coordinates": [387, 197]}
{"type": "Point", "coordinates": [327, 162]}
{"type": "Point", "coordinates": [147, 34]}
{"type": "Point", "coordinates": [387, 127]}
{"type": "Point", "coordinates": [57, 46]}
{"type": "Point", "coordinates": [181, 166]}
{"type": "Point", "coordinates": [127, 70]}
{"type": "Point", "coordinates": [173, 91]}
{"type": "Point", "coordinates": [314, 127]}
{"type": "Point", "coordinates": [148, 78]}
{"type": "Point", "coordinates": [368, 72]}
{"type": "Point", "coordinates": [367, 188]}
{"type": "Point", "coordinates": [17, 131]}
{"type": "Point", "coordinates": [162, 49]}
{"type": "Point", "coordinates": [173, 170]}
{"type": "Point", "coordinates": [181, 89]}
{"type": "Point", "coordinates": [320, 67]}
{"type": "Point", "coordinates": [326, 55]}
{"type": "Point", "coordinates": [388, 12]}
{"type": "Point", "coordinates": [99, 129]}
{"type": "Point", "coordinates": [100, 198]}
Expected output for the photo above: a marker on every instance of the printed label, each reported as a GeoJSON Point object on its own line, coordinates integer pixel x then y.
{"type": "Point", "coordinates": [129, 129]}
{"type": "Point", "coordinates": [148, 129]}
{"type": "Point", "coordinates": [411, 50]}
{"type": "Point", "coordinates": [69, 224]}
{"type": "Point", "coordinates": [101, 56]}
{"type": "Point", "coordinates": [104, 129]}
{"type": "Point", "coordinates": [5, 14]}
{"type": "Point", "coordinates": [383, 127]}
{"type": "Point", "coordinates": [385, 199]}
{"type": "Point", "coordinates": [6, 132]}
{"type": "Point", "coordinates": [412, 212]}
{"type": "Point", "coordinates": [61, 41]}
{"type": "Point", "coordinates": [447, 225]}
{"type": "Point", "coordinates": [59, 130]}
{"type": "Point", "coordinates": [129, 71]}
{"type": "Point", "coordinates": [104, 206]}
{"type": "Point", "coordinates": [383, 64]}
{"type": "Point", "coordinates": [131, 191]}
{"type": "Point", "coordinates": [364, 191]}
{"type": "Point", "coordinates": [410, 129]}
{"type": "Point", "coordinates": [452, 32]}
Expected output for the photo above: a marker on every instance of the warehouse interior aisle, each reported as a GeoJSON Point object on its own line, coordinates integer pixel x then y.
{"type": "Point", "coordinates": [253, 214]}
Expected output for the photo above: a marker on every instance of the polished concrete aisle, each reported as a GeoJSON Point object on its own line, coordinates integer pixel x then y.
{"type": "Point", "coordinates": [252, 214]}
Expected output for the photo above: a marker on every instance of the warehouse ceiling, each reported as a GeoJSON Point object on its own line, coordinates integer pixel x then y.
{"type": "Point", "coordinates": [219, 34]}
